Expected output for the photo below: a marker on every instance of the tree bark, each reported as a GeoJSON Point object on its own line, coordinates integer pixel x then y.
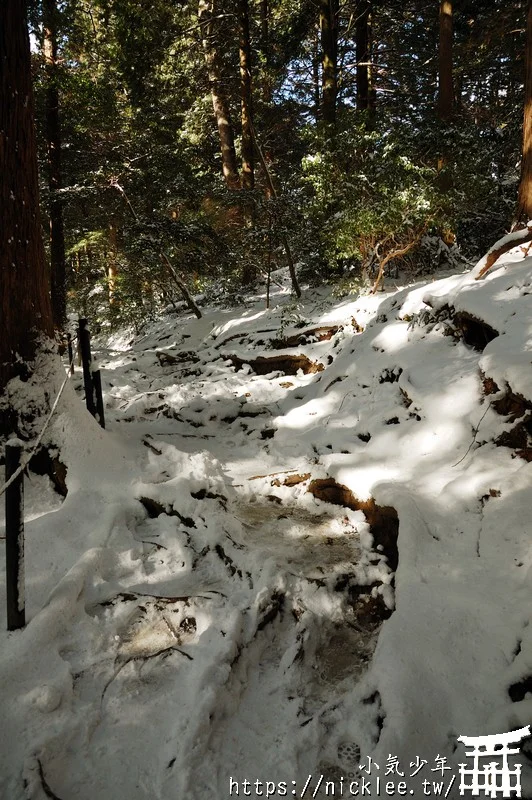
{"type": "Point", "coordinates": [219, 99]}
{"type": "Point", "coordinates": [329, 48]}
{"type": "Point", "coordinates": [112, 263]}
{"type": "Point", "coordinates": [445, 104]}
{"type": "Point", "coordinates": [362, 43]}
{"type": "Point", "coordinates": [248, 166]}
{"type": "Point", "coordinates": [316, 76]}
{"type": "Point", "coordinates": [24, 299]}
{"type": "Point", "coordinates": [265, 30]}
{"type": "Point", "coordinates": [524, 200]}
{"type": "Point", "coordinates": [53, 145]}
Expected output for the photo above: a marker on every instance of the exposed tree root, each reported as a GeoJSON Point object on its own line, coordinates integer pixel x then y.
{"type": "Point", "coordinates": [271, 475]}
{"type": "Point", "coordinates": [320, 334]}
{"type": "Point", "coordinates": [287, 364]}
{"type": "Point", "coordinates": [383, 520]}
{"type": "Point", "coordinates": [291, 480]}
{"type": "Point", "coordinates": [501, 247]}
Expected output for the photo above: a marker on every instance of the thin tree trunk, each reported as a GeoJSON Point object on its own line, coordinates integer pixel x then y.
{"type": "Point", "coordinates": [362, 54]}
{"type": "Point", "coordinates": [265, 30]}
{"type": "Point", "coordinates": [445, 62]}
{"type": "Point", "coordinates": [248, 166]}
{"type": "Point", "coordinates": [189, 300]}
{"type": "Point", "coordinates": [316, 76]}
{"type": "Point", "coordinates": [524, 201]}
{"type": "Point", "coordinates": [329, 47]}
{"type": "Point", "coordinates": [53, 145]}
{"type": "Point", "coordinates": [24, 279]}
{"type": "Point", "coordinates": [112, 263]}
{"type": "Point", "coordinates": [272, 193]}
{"type": "Point", "coordinates": [219, 99]}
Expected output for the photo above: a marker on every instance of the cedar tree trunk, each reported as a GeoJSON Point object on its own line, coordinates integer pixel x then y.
{"type": "Point", "coordinates": [524, 201]}
{"type": "Point", "coordinates": [362, 54]}
{"type": "Point", "coordinates": [53, 144]}
{"type": "Point", "coordinates": [219, 99]}
{"type": "Point", "coordinates": [445, 62]}
{"type": "Point", "coordinates": [24, 299]}
{"type": "Point", "coordinates": [329, 47]}
{"type": "Point", "coordinates": [248, 167]}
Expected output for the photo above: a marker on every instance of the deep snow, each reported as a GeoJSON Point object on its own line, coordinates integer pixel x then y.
{"type": "Point", "coordinates": [193, 618]}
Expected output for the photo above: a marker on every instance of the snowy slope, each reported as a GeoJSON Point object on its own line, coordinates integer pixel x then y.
{"type": "Point", "coordinates": [200, 610]}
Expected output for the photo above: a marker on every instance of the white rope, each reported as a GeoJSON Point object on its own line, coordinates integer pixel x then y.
{"type": "Point", "coordinates": [27, 460]}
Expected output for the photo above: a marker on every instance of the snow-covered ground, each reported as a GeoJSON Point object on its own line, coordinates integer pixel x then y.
{"type": "Point", "coordinates": [198, 615]}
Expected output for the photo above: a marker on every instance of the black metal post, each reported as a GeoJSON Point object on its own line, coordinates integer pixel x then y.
{"type": "Point", "coordinates": [70, 353]}
{"type": "Point", "coordinates": [85, 349]}
{"type": "Point", "coordinates": [16, 611]}
{"type": "Point", "coordinates": [97, 381]}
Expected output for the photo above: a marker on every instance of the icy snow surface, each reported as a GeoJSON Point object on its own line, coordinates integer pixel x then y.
{"type": "Point", "coordinates": [192, 618]}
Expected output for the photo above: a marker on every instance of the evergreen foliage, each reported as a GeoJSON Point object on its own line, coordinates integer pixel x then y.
{"type": "Point", "coordinates": [136, 111]}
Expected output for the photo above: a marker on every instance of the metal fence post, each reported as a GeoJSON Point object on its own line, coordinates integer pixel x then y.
{"type": "Point", "coordinates": [85, 349]}
{"type": "Point", "coordinates": [16, 611]}
{"type": "Point", "coordinates": [70, 353]}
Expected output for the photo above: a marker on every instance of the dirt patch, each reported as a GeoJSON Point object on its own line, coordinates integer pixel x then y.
{"type": "Point", "coordinates": [44, 463]}
{"type": "Point", "coordinates": [390, 375]}
{"type": "Point", "coordinates": [370, 611]}
{"type": "Point", "coordinates": [346, 654]}
{"type": "Point", "coordinates": [154, 509]}
{"type": "Point", "coordinates": [519, 438]}
{"type": "Point", "coordinates": [512, 405]}
{"type": "Point", "coordinates": [474, 331]}
{"type": "Point", "coordinates": [518, 691]}
{"type": "Point", "coordinates": [488, 385]}
{"type": "Point", "coordinates": [383, 520]}
{"type": "Point", "coordinates": [515, 407]}
{"type": "Point", "coordinates": [287, 364]}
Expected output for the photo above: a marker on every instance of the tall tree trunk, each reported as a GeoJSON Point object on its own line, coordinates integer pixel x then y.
{"type": "Point", "coordinates": [366, 94]}
{"type": "Point", "coordinates": [53, 144]}
{"type": "Point", "coordinates": [524, 201]}
{"type": "Point", "coordinates": [445, 62]}
{"type": "Point", "coordinates": [112, 263]}
{"type": "Point", "coordinates": [248, 166]}
{"type": "Point", "coordinates": [265, 30]}
{"type": "Point", "coordinates": [362, 42]}
{"type": "Point", "coordinates": [24, 298]}
{"type": "Point", "coordinates": [329, 48]}
{"type": "Point", "coordinates": [219, 99]}
{"type": "Point", "coordinates": [316, 76]}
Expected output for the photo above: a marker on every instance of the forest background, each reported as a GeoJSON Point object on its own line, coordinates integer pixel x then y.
{"type": "Point", "coordinates": [190, 148]}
